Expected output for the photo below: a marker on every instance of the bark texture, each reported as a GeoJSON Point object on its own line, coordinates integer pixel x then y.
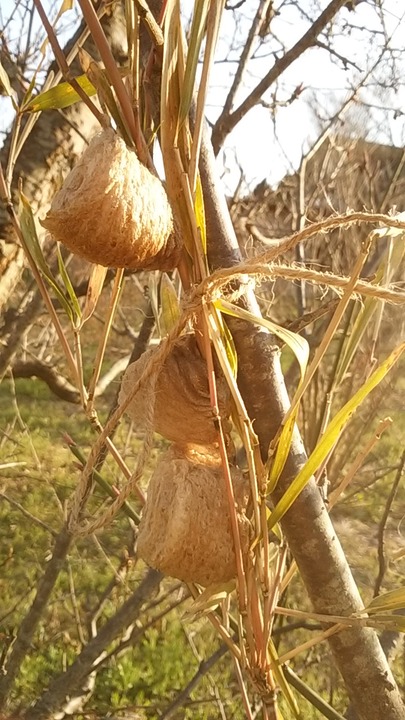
{"type": "Point", "coordinates": [307, 525]}
{"type": "Point", "coordinates": [67, 683]}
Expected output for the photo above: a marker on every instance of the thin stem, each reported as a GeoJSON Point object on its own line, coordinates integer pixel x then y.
{"type": "Point", "coordinates": [61, 60]}
{"type": "Point", "coordinates": [112, 71]}
{"type": "Point", "coordinates": [115, 296]}
{"type": "Point", "coordinates": [382, 562]}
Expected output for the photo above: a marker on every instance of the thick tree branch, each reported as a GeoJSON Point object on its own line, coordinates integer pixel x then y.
{"type": "Point", "coordinates": [226, 122]}
{"type": "Point", "coordinates": [66, 683]}
{"type": "Point", "coordinates": [29, 625]}
{"type": "Point", "coordinates": [58, 384]}
{"type": "Point", "coordinates": [307, 525]}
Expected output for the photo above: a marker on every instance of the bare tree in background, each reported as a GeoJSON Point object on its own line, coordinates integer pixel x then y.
{"type": "Point", "coordinates": [38, 149]}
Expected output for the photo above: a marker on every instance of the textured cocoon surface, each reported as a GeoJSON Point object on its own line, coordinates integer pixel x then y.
{"type": "Point", "coordinates": [112, 211]}
{"type": "Point", "coordinates": [183, 412]}
{"type": "Point", "coordinates": [185, 529]}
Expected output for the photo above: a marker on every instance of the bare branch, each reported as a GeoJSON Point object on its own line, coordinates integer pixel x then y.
{"type": "Point", "coordinates": [67, 683]}
{"type": "Point", "coordinates": [30, 622]}
{"type": "Point", "coordinates": [226, 122]}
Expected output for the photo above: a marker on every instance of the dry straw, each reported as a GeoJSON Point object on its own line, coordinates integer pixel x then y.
{"type": "Point", "coordinates": [183, 411]}
{"type": "Point", "coordinates": [185, 531]}
{"type": "Point", "coordinates": [112, 211]}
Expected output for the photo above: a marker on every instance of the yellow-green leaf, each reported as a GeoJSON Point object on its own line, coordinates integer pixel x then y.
{"type": "Point", "coordinates": [33, 247]}
{"type": "Point", "coordinates": [393, 600]}
{"type": "Point", "coordinates": [298, 344]}
{"type": "Point", "coordinates": [94, 288]}
{"type": "Point", "coordinates": [282, 682]}
{"type": "Point", "coordinates": [282, 451]}
{"type": "Point", "coordinates": [331, 436]}
{"type": "Point", "coordinates": [61, 96]}
{"type": "Point", "coordinates": [169, 304]}
{"type": "Point", "coordinates": [200, 213]}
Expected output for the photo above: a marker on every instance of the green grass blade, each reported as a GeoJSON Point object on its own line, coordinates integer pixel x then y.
{"type": "Point", "coordinates": [33, 246]}
{"type": "Point", "coordinates": [68, 285]}
{"type": "Point", "coordinates": [309, 694]}
{"type": "Point", "coordinates": [103, 483]}
{"type": "Point", "coordinates": [282, 682]}
{"type": "Point", "coordinates": [59, 97]}
{"type": "Point", "coordinates": [389, 264]}
{"type": "Point", "coordinates": [331, 436]}
{"type": "Point", "coordinates": [393, 600]}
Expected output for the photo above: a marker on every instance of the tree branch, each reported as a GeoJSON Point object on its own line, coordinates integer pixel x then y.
{"type": "Point", "coordinates": [307, 525]}
{"type": "Point", "coordinates": [30, 622]}
{"type": "Point", "coordinates": [58, 384]}
{"type": "Point", "coordinates": [227, 121]}
{"type": "Point", "coordinates": [67, 683]}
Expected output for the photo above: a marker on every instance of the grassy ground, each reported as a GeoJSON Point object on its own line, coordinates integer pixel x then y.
{"type": "Point", "coordinates": [38, 474]}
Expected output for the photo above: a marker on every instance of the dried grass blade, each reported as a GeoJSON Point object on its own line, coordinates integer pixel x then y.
{"type": "Point", "coordinates": [95, 286]}
{"type": "Point", "coordinates": [209, 600]}
{"type": "Point", "coordinates": [5, 82]}
{"type": "Point", "coordinates": [213, 24]}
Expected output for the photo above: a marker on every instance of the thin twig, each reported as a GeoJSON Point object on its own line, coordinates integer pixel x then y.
{"type": "Point", "coordinates": [25, 512]}
{"type": "Point", "coordinates": [382, 561]}
{"type": "Point", "coordinates": [61, 60]}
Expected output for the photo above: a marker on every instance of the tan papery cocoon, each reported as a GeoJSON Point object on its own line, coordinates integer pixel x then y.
{"type": "Point", "coordinates": [185, 530]}
{"type": "Point", "coordinates": [183, 411]}
{"type": "Point", "coordinates": [112, 211]}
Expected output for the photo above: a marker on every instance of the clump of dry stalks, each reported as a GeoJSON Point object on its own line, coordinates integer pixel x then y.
{"type": "Point", "coordinates": [112, 211]}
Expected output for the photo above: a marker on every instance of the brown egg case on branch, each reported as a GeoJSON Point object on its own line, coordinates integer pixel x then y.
{"type": "Point", "coordinates": [182, 411]}
{"type": "Point", "coordinates": [112, 211]}
{"type": "Point", "coordinates": [185, 530]}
